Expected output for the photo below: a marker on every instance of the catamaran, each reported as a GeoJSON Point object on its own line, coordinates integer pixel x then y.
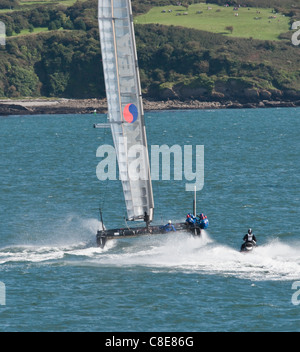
{"type": "Point", "coordinates": [126, 120]}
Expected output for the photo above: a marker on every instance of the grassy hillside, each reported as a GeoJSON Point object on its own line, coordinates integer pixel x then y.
{"type": "Point", "coordinates": [53, 50]}
{"type": "Point", "coordinates": [246, 22]}
{"type": "Point", "coordinates": [10, 5]}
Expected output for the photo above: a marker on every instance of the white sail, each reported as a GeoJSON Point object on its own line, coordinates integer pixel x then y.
{"type": "Point", "coordinates": [125, 109]}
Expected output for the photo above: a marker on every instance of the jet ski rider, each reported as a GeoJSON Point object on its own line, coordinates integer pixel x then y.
{"type": "Point", "coordinates": [250, 237]}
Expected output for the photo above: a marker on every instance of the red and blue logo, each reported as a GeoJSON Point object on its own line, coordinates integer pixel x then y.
{"type": "Point", "coordinates": [130, 113]}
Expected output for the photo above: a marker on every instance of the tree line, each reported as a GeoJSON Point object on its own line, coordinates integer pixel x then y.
{"type": "Point", "coordinates": [78, 17]}
{"type": "Point", "coordinates": [174, 62]}
{"type": "Point", "coordinates": [83, 14]}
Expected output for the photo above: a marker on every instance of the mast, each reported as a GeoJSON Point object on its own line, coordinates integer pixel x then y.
{"type": "Point", "coordinates": [125, 107]}
{"type": "Point", "coordinates": [194, 202]}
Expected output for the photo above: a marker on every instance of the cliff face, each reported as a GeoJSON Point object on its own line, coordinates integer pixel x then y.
{"type": "Point", "coordinates": [230, 90]}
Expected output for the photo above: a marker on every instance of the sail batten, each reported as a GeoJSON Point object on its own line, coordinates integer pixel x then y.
{"type": "Point", "coordinates": [124, 100]}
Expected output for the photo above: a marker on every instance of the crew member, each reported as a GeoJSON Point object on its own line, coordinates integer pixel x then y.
{"type": "Point", "coordinates": [169, 227]}
{"type": "Point", "coordinates": [190, 219]}
{"type": "Point", "coordinates": [147, 219]}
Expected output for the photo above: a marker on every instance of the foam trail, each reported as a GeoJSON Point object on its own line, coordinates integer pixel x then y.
{"type": "Point", "coordinates": [273, 261]}
{"type": "Point", "coordinates": [71, 236]}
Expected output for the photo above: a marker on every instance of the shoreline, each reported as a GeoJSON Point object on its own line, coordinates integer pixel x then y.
{"type": "Point", "coordinates": [40, 106]}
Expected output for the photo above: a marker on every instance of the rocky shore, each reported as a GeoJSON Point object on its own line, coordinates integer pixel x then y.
{"type": "Point", "coordinates": [88, 106]}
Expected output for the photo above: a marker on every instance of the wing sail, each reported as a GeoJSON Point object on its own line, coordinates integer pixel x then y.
{"type": "Point", "coordinates": [125, 107]}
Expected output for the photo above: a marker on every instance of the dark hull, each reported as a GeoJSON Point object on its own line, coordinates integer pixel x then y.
{"type": "Point", "coordinates": [247, 247]}
{"type": "Point", "coordinates": [104, 235]}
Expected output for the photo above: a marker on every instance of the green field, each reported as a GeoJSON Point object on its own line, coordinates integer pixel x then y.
{"type": "Point", "coordinates": [43, 2]}
{"type": "Point", "coordinates": [27, 32]}
{"type": "Point", "coordinates": [257, 23]}
{"type": "Point", "coordinates": [26, 3]}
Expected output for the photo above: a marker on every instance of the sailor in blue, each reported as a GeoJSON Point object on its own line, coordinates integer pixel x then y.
{"type": "Point", "coordinates": [169, 227]}
{"type": "Point", "coordinates": [203, 221]}
{"type": "Point", "coordinates": [190, 219]}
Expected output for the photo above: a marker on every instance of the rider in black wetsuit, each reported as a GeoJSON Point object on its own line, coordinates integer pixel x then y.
{"type": "Point", "coordinates": [249, 237]}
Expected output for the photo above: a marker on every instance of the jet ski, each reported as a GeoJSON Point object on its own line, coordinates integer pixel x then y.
{"type": "Point", "coordinates": [248, 246]}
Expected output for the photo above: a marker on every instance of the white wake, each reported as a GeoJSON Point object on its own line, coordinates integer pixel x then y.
{"type": "Point", "coordinates": [173, 252]}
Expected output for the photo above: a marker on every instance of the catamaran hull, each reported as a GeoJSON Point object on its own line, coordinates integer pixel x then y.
{"type": "Point", "coordinates": [104, 235]}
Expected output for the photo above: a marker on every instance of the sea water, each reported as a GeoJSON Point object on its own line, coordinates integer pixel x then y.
{"type": "Point", "coordinates": [54, 278]}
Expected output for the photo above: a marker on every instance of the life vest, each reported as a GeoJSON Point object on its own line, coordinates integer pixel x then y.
{"type": "Point", "coordinates": [190, 220]}
{"type": "Point", "coordinates": [249, 237]}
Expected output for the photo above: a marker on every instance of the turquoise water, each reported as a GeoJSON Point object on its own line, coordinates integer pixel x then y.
{"type": "Point", "coordinates": [56, 279]}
